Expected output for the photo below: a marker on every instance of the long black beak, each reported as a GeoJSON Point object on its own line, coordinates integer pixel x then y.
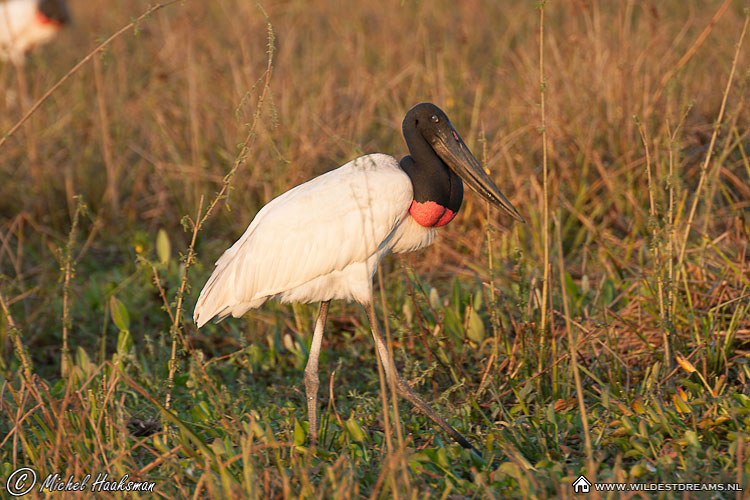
{"type": "Point", "coordinates": [452, 150]}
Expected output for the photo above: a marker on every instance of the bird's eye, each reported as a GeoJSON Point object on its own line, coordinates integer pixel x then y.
{"type": "Point", "coordinates": [435, 118]}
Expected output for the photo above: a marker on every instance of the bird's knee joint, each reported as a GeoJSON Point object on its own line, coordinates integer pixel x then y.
{"type": "Point", "coordinates": [311, 380]}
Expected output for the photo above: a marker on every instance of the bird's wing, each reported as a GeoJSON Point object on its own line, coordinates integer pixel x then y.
{"type": "Point", "coordinates": [334, 220]}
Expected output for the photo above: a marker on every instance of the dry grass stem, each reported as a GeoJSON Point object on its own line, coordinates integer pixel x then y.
{"type": "Point", "coordinates": [545, 196]}
{"type": "Point", "coordinates": [572, 351]}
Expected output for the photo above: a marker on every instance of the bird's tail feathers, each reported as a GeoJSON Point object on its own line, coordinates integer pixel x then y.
{"type": "Point", "coordinates": [212, 300]}
{"type": "Point", "coordinates": [220, 297]}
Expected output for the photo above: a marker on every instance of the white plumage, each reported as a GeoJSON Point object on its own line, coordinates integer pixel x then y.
{"type": "Point", "coordinates": [319, 241]}
{"type": "Point", "coordinates": [23, 26]}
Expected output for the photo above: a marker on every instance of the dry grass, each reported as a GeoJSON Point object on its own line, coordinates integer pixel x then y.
{"type": "Point", "coordinates": [153, 127]}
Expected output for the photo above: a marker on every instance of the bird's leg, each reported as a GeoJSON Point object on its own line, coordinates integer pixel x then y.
{"type": "Point", "coordinates": [311, 372]}
{"type": "Point", "coordinates": [403, 389]}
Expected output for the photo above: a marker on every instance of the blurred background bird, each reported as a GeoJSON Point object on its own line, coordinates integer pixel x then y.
{"type": "Point", "coordinates": [24, 24]}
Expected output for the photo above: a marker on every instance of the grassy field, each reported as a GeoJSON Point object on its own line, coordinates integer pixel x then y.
{"type": "Point", "coordinates": [628, 360]}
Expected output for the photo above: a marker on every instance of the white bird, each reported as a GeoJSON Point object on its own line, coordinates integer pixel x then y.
{"type": "Point", "coordinates": [323, 239]}
{"type": "Point", "coordinates": [25, 24]}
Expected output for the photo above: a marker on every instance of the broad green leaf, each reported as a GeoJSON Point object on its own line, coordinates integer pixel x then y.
{"type": "Point", "coordinates": [478, 299]}
{"type": "Point", "coordinates": [163, 247]}
{"type": "Point", "coordinates": [453, 326]}
{"type": "Point", "coordinates": [456, 295]}
{"type": "Point", "coordinates": [680, 404]}
{"type": "Point", "coordinates": [119, 313]}
{"type": "Point", "coordinates": [299, 433]}
{"type": "Point", "coordinates": [355, 431]}
{"type": "Point", "coordinates": [475, 329]}
{"type": "Point", "coordinates": [627, 425]}
{"type": "Point", "coordinates": [442, 458]}
{"type": "Point", "coordinates": [637, 406]}
{"type": "Point", "coordinates": [571, 287]}
{"type": "Point", "coordinates": [551, 414]}
{"type": "Point", "coordinates": [201, 412]}
{"type": "Point", "coordinates": [83, 360]}
{"type": "Point", "coordinates": [692, 439]}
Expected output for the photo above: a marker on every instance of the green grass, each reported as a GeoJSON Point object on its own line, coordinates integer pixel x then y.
{"type": "Point", "coordinates": [105, 187]}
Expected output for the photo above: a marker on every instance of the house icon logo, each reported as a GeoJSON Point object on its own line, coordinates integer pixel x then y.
{"type": "Point", "coordinates": [581, 485]}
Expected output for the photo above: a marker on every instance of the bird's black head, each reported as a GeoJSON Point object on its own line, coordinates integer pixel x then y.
{"type": "Point", "coordinates": [429, 120]}
{"type": "Point", "coordinates": [55, 10]}
{"type": "Point", "coordinates": [432, 140]}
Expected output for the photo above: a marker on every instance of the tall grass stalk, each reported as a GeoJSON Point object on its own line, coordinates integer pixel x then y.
{"type": "Point", "coordinates": [545, 194]}
{"type": "Point", "coordinates": [492, 306]}
{"type": "Point", "coordinates": [176, 329]}
{"type": "Point", "coordinates": [15, 335]}
{"type": "Point", "coordinates": [573, 352]}
{"type": "Point", "coordinates": [670, 236]}
{"type": "Point", "coordinates": [655, 245]}
{"type": "Point", "coordinates": [109, 162]}
{"type": "Point", "coordinates": [68, 266]}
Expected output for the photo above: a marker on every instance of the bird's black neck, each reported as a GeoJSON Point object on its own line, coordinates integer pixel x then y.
{"type": "Point", "coordinates": [431, 178]}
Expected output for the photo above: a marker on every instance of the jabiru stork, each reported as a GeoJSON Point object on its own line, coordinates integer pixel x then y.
{"type": "Point", "coordinates": [323, 239]}
{"type": "Point", "coordinates": [25, 24]}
